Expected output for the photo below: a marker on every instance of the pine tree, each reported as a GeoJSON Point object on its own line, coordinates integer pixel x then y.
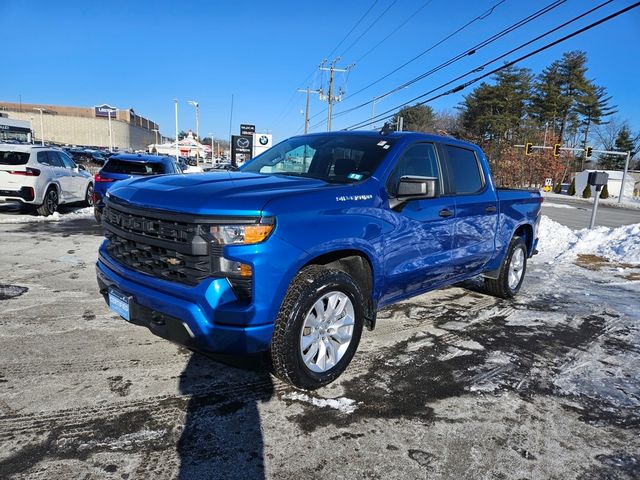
{"type": "Point", "coordinates": [625, 142]}
{"type": "Point", "coordinates": [593, 107]}
{"type": "Point", "coordinates": [604, 194]}
{"type": "Point", "coordinates": [557, 188]}
{"type": "Point", "coordinates": [586, 193]}
{"type": "Point", "coordinates": [416, 118]}
{"type": "Point", "coordinates": [571, 191]}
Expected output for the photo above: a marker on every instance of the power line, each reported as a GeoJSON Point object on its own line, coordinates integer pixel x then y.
{"type": "Point", "coordinates": [462, 86]}
{"type": "Point", "coordinates": [352, 29]}
{"type": "Point", "coordinates": [464, 54]}
{"type": "Point", "coordinates": [369, 28]}
{"type": "Point", "coordinates": [287, 106]}
{"type": "Point", "coordinates": [482, 16]}
{"type": "Point", "coordinates": [407, 20]}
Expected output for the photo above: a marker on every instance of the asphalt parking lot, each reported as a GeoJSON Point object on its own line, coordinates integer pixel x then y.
{"type": "Point", "coordinates": [452, 384]}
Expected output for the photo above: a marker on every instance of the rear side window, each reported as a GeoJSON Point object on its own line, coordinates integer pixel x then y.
{"type": "Point", "coordinates": [464, 169]}
{"type": "Point", "coordinates": [54, 159]}
{"type": "Point", "coordinates": [13, 158]}
{"type": "Point", "coordinates": [419, 160]}
{"type": "Point", "coordinates": [43, 158]}
{"type": "Point", "coordinates": [125, 167]}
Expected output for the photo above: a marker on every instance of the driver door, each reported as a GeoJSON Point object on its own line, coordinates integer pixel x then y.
{"type": "Point", "coordinates": [78, 180]}
{"type": "Point", "coordinates": [418, 247]}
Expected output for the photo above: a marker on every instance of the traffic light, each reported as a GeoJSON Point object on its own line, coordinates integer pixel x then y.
{"type": "Point", "coordinates": [556, 149]}
{"type": "Point", "coordinates": [528, 149]}
{"type": "Point", "coordinates": [588, 152]}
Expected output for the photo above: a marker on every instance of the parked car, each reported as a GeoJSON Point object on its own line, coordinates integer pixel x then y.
{"type": "Point", "coordinates": [42, 178]}
{"type": "Point", "coordinates": [295, 253]}
{"type": "Point", "coordinates": [127, 165]}
{"type": "Point", "coordinates": [189, 165]}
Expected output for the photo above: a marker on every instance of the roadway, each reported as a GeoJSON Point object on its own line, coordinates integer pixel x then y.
{"type": "Point", "coordinates": [576, 214]}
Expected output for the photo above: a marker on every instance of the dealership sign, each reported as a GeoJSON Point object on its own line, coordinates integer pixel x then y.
{"type": "Point", "coordinates": [247, 130]}
{"type": "Point", "coordinates": [241, 148]}
{"type": "Point", "coordinates": [105, 110]}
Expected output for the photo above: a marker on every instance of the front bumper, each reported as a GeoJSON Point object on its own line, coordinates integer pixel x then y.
{"type": "Point", "coordinates": [205, 317]}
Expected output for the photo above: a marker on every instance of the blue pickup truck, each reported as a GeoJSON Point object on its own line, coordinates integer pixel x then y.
{"type": "Point", "coordinates": [294, 253]}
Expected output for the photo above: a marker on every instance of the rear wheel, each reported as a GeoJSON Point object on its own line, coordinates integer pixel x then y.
{"type": "Point", "coordinates": [318, 328]}
{"type": "Point", "coordinates": [512, 271]}
{"type": "Point", "coordinates": [88, 197]}
{"type": "Point", "coordinates": [50, 204]}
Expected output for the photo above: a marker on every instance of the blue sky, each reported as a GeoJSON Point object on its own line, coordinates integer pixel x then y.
{"type": "Point", "coordinates": [142, 54]}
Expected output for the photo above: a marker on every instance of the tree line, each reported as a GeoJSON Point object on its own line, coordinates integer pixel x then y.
{"type": "Point", "coordinates": [561, 104]}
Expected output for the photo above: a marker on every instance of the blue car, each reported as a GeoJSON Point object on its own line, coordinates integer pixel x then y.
{"type": "Point", "coordinates": [295, 253]}
{"type": "Point", "coordinates": [125, 166]}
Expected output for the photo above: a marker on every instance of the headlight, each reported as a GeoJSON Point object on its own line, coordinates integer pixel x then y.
{"type": "Point", "coordinates": [241, 234]}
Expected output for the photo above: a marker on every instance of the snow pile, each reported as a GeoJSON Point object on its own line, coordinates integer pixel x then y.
{"type": "Point", "coordinates": [345, 405]}
{"type": "Point", "coordinates": [558, 242]}
{"type": "Point", "coordinates": [56, 217]}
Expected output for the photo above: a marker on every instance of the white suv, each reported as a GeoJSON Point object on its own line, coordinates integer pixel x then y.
{"type": "Point", "coordinates": [42, 177]}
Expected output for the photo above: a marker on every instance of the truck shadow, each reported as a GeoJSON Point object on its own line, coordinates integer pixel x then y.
{"type": "Point", "coordinates": [222, 435]}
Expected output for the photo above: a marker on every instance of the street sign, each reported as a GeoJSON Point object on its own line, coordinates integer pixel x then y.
{"type": "Point", "coordinates": [246, 129]}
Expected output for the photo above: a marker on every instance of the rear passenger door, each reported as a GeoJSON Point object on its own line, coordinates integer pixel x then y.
{"type": "Point", "coordinates": [476, 210]}
{"type": "Point", "coordinates": [62, 175]}
{"type": "Point", "coordinates": [418, 247]}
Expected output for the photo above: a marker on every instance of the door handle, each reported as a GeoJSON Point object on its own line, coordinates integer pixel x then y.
{"type": "Point", "coordinates": [491, 209]}
{"type": "Point", "coordinates": [445, 212]}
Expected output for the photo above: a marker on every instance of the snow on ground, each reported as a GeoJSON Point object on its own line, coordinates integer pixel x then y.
{"type": "Point", "coordinates": [558, 205]}
{"type": "Point", "coordinates": [67, 214]}
{"type": "Point", "coordinates": [345, 405]}
{"type": "Point", "coordinates": [559, 243]}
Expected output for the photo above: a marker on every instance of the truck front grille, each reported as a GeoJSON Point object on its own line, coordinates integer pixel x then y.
{"type": "Point", "coordinates": [166, 248]}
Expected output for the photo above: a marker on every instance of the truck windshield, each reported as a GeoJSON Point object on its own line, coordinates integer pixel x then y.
{"type": "Point", "coordinates": [115, 165]}
{"type": "Point", "coordinates": [332, 158]}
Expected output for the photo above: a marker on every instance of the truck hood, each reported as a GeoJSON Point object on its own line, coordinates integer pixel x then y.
{"type": "Point", "coordinates": [219, 193]}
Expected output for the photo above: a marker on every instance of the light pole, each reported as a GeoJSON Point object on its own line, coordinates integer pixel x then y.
{"type": "Point", "coordinates": [155, 130]}
{"type": "Point", "coordinates": [110, 135]}
{"type": "Point", "coordinates": [197, 107]}
{"type": "Point", "coordinates": [41, 125]}
{"type": "Point", "coordinates": [175, 101]}
{"type": "Point", "coordinates": [211, 134]}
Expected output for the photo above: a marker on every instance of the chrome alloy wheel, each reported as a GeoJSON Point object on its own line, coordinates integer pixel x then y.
{"type": "Point", "coordinates": [516, 268]}
{"type": "Point", "coordinates": [51, 201]}
{"type": "Point", "coordinates": [327, 331]}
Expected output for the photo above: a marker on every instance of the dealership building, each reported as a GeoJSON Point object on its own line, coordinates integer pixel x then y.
{"type": "Point", "coordinates": [82, 126]}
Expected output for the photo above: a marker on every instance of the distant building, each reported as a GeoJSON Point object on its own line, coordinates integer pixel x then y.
{"type": "Point", "coordinates": [613, 185]}
{"type": "Point", "coordinates": [187, 147]}
{"type": "Point", "coordinates": [84, 126]}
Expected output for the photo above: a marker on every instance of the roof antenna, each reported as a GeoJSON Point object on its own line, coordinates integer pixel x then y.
{"type": "Point", "coordinates": [386, 129]}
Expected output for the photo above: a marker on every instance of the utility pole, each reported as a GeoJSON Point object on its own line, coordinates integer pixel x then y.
{"type": "Point", "coordinates": [330, 98]}
{"type": "Point", "coordinates": [308, 91]}
{"type": "Point", "coordinates": [175, 101]}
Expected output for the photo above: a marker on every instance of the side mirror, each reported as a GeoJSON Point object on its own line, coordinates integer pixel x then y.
{"type": "Point", "coordinates": [415, 187]}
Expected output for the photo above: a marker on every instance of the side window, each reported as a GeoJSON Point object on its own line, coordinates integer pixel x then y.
{"type": "Point", "coordinates": [43, 158]}
{"type": "Point", "coordinates": [464, 169]}
{"type": "Point", "coordinates": [54, 159]}
{"type": "Point", "coordinates": [418, 160]}
{"type": "Point", "coordinates": [66, 160]}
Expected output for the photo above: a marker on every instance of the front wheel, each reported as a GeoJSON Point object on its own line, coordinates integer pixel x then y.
{"type": "Point", "coordinates": [511, 273]}
{"type": "Point", "coordinates": [318, 328]}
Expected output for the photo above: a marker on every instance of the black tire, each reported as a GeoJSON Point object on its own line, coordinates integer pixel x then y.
{"type": "Point", "coordinates": [88, 196]}
{"type": "Point", "coordinates": [50, 204]}
{"type": "Point", "coordinates": [500, 287]}
{"type": "Point", "coordinates": [309, 286]}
